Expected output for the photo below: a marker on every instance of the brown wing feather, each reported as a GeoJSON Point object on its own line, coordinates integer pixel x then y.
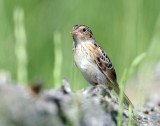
{"type": "Point", "coordinates": [105, 64]}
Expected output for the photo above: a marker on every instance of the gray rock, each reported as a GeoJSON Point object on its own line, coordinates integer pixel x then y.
{"type": "Point", "coordinates": [92, 106]}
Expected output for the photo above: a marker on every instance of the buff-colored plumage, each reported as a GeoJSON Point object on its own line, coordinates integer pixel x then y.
{"type": "Point", "coordinates": [93, 61]}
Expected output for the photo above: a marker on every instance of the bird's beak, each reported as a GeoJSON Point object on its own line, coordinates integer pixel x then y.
{"type": "Point", "coordinates": [74, 32]}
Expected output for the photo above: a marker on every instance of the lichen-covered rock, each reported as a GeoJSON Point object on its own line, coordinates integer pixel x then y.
{"type": "Point", "coordinates": [93, 106]}
{"type": "Point", "coordinates": [149, 115]}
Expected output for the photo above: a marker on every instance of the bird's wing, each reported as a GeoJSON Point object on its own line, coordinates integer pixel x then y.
{"type": "Point", "coordinates": [105, 65]}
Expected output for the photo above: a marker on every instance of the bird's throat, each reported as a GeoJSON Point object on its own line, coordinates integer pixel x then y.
{"type": "Point", "coordinates": [76, 40]}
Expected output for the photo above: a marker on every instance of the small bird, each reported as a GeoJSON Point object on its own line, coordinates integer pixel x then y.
{"type": "Point", "coordinates": [92, 60]}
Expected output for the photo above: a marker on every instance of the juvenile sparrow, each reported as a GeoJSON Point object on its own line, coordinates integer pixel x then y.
{"type": "Point", "coordinates": [93, 61]}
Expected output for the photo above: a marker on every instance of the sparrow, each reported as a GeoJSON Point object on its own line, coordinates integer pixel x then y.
{"type": "Point", "coordinates": [93, 61]}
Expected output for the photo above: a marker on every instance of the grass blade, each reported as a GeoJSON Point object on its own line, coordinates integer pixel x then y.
{"type": "Point", "coordinates": [122, 86]}
{"type": "Point", "coordinates": [20, 46]}
{"type": "Point", "coordinates": [57, 59]}
{"type": "Point", "coordinates": [130, 115]}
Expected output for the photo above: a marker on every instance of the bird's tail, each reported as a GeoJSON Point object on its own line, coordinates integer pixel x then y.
{"type": "Point", "coordinates": [117, 90]}
{"type": "Point", "coordinates": [127, 101]}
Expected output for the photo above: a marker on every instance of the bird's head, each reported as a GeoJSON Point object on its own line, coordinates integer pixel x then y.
{"type": "Point", "coordinates": [81, 33]}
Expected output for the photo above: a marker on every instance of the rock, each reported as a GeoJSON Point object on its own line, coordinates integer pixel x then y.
{"type": "Point", "coordinates": [92, 106]}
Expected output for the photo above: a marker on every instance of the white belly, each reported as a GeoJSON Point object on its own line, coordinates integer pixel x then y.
{"type": "Point", "coordinates": [88, 68]}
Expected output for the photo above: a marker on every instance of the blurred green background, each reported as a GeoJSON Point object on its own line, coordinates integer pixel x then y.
{"type": "Point", "coordinates": [124, 28]}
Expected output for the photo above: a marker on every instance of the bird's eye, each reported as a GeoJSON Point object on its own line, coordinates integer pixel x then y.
{"type": "Point", "coordinates": [84, 29]}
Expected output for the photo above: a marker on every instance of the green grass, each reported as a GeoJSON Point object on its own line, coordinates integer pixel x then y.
{"type": "Point", "coordinates": [130, 115]}
{"type": "Point", "coordinates": [121, 98]}
{"type": "Point", "coordinates": [126, 74]}
{"type": "Point", "coordinates": [124, 28]}
{"type": "Point", "coordinates": [58, 60]}
{"type": "Point", "coordinates": [20, 46]}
